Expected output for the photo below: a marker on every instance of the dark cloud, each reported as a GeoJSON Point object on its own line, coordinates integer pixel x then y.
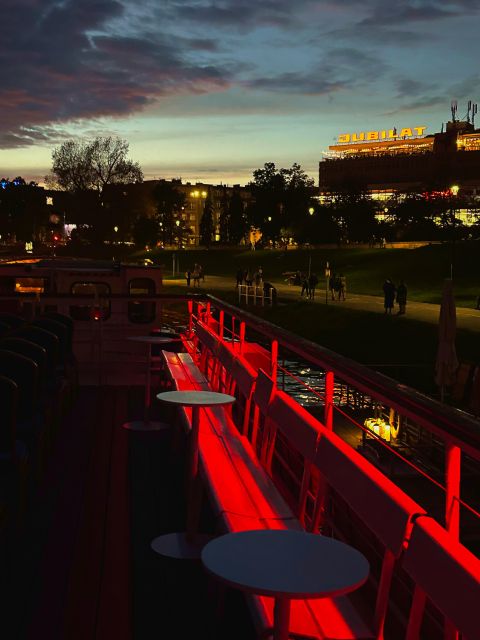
{"type": "Point", "coordinates": [381, 13]}
{"type": "Point", "coordinates": [61, 62]}
{"type": "Point", "coordinates": [242, 14]}
{"type": "Point", "coordinates": [409, 87]}
{"type": "Point", "coordinates": [340, 69]}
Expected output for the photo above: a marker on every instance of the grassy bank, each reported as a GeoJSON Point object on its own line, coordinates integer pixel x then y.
{"type": "Point", "coordinates": [402, 348]}
{"type": "Point", "coordinates": [423, 269]}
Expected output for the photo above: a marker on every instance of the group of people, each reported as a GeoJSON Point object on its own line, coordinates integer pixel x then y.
{"type": "Point", "coordinates": [337, 285]}
{"type": "Point", "coordinates": [249, 277]}
{"type": "Point", "coordinates": [392, 293]}
{"type": "Point", "coordinates": [309, 284]}
{"type": "Point", "coordinates": [196, 275]}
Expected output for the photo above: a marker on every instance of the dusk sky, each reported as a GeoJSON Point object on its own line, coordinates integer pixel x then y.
{"type": "Point", "coordinates": [210, 90]}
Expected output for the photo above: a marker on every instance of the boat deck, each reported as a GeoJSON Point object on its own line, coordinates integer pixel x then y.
{"type": "Point", "coordinates": [82, 568]}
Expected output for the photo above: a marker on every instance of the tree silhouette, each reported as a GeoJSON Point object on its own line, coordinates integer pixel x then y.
{"type": "Point", "coordinates": [281, 200]}
{"type": "Point", "coordinates": [238, 225]}
{"type": "Point", "coordinates": [80, 166]}
{"type": "Point", "coordinates": [169, 202]}
{"type": "Point", "coordinates": [206, 224]}
{"type": "Point", "coordinates": [224, 220]}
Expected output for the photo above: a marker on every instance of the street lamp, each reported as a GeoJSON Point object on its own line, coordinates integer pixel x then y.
{"type": "Point", "coordinates": [311, 211]}
{"type": "Point", "coordinates": [454, 189]}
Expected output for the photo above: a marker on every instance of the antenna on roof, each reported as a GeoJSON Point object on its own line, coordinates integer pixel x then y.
{"type": "Point", "coordinates": [441, 131]}
{"type": "Point", "coordinates": [454, 108]}
{"type": "Point", "coordinates": [469, 108]}
{"type": "Point", "coordinates": [474, 111]}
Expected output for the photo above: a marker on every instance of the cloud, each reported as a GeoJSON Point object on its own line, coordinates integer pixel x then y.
{"type": "Point", "coordinates": [241, 15]}
{"type": "Point", "coordinates": [340, 69]}
{"type": "Point", "coordinates": [60, 62]}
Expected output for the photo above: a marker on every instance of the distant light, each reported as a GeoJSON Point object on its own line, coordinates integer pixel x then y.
{"type": "Point", "coordinates": [455, 189]}
{"type": "Point", "coordinates": [269, 218]}
{"type": "Point", "coordinates": [204, 194]}
{"type": "Point", "coordinates": [177, 222]}
{"type": "Point", "coordinates": [311, 211]}
{"type": "Point", "coordinates": [115, 228]}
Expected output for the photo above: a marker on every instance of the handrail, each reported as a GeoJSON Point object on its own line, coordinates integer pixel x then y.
{"type": "Point", "coordinates": [451, 425]}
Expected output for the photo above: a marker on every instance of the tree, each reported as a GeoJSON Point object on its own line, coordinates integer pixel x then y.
{"type": "Point", "coordinates": [145, 231]}
{"type": "Point", "coordinates": [82, 165]}
{"type": "Point", "coordinates": [83, 168]}
{"type": "Point", "coordinates": [281, 200]}
{"type": "Point", "coordinates": [354, 211]}
{"type": "Point", "coordinates": [238, 225]}
{"type": "Point", "coordinates": [23, 209]}
{"type": "Point", "coordinates": [206, 224]}
{"type": "Point", "coordinates": [169, 202]}
{"type": "Point", "coordinates": [224, 219]}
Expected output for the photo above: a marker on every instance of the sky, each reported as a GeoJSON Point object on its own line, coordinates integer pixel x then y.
{"type": "Point", "coordinates": [210, 90]}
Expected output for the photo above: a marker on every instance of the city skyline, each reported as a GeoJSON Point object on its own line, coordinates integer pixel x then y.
{"type": "Point", "coordinates": [210, 91]}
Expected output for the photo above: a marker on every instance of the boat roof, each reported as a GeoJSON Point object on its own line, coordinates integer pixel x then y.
{"type": "Point", "coordinates": [73, 264]}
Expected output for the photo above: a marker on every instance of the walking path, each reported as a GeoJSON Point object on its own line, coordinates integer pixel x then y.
{"type": "Point", "coordinates": [467, 318]}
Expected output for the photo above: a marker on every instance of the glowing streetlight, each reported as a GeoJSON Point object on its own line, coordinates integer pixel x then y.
{"type": "Point", "coordinates": [311, 211]}
{"type": "Point", "coordinates": [269, 218]}
{"type": "Point", "coordinates": [454, 189]}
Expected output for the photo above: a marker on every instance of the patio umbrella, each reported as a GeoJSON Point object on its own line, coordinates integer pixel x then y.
{"type": "Point", "coordinates": [446, 364]}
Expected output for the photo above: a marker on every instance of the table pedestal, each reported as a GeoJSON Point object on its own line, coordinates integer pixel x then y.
{"type": "Point", "coordinates": [188, 545]}
{"type": "Point", "coordinates": [146, 424]}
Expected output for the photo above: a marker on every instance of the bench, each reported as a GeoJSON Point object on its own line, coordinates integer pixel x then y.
{"type": "Point", "coordinates": [239, 488]}
{"type": "Point", "coordinates": [431, 555]}
{"type": "Point", "coordinates": [245, 468]}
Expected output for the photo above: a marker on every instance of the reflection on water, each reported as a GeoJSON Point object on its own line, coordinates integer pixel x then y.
{"type": "Point", "coordinates": [308, 386]}
{"type": "Point", "coordinates": [308, 377]}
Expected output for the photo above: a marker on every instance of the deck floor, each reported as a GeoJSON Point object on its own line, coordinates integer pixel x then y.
{"type": "Point", "coordinates": [81, 567]}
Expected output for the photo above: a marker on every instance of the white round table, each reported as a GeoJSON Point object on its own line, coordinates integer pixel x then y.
{"type": "Point", "coordinates": [146, 424]}
{"type": "Point", "coordinates": [285, 565]}
{"type": "Point", "coordinates": [188, 544]}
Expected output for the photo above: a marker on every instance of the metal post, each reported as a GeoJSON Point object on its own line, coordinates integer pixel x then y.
{"type": "Point", "coordinates": [329, 388]}
{"type": "Point", "coordinates": [274, 361]}
{"type": "Point", "coordinates": [242, 336]}
{"type": "Point", "coordinates": [453, 456]}
{"type": "Point", "coordinates": [190, 317]}
{"type": "Point", "coordinates": [221, 322]}
{"type": "Point", "coordinates": [327, 276]}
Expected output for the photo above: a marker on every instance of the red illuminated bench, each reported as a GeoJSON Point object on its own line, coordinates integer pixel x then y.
{"type": "Point", "coordinates": [240, 490]}
{"type": "Point", "coordinates": [446, 574]}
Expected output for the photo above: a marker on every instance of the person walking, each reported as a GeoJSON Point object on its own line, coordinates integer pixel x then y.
{"type": "Point", "coordinates": [305, 287]}
{"type": "Point", "coordinates": [389, 295]}
{"type": "Point", "coordinates": [331, 285]}
{"type": "Point", "coordinates": [239, 277]}
{"type": "Point", "coordinates": [401, 297]}
{"type": "Point", "coordinates": [196, 276]}
{"type": "Point", "coordinates": [343, 287]}
{"type": "Point", "coordinates": [188, 275]}
{"type": "Point", "coordinates": [312, 283]}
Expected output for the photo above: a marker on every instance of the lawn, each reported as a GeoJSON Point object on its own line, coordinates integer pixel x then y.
{"type": "Point", "coordinates": [422, 269]}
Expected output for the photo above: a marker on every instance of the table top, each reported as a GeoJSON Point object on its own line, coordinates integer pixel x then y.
{"type": "Point", "coordinates": [192, 398]}
{"type": "Point", "coordinates": [284, 563]}
{"type": "Point", "coordinates": [153, 339]}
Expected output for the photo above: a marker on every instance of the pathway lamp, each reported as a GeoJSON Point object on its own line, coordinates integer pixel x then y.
{"type": "Point", "coordinates": [454, 189]}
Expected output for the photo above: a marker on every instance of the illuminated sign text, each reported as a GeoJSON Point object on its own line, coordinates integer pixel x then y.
{"type": "Point", "coordinates": [386, 134]}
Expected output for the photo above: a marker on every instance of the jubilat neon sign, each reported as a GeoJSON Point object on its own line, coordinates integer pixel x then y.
{"type": "Point", "coordinates": [385, 134]}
